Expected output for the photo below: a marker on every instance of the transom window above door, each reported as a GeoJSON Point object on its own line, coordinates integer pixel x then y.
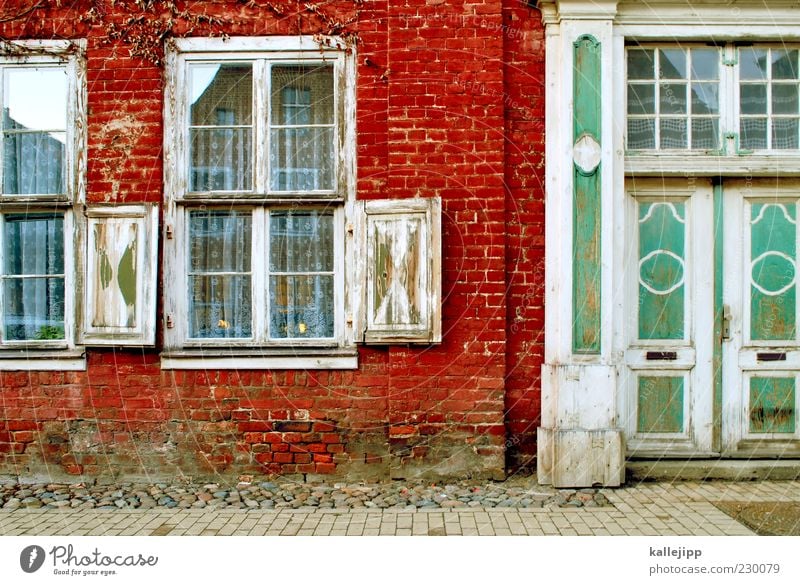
{"type": "Point", "coordinates": [712, 99]}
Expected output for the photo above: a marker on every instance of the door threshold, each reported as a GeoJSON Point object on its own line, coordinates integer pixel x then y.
{"type": "Point", "coordinates": [708, 469]}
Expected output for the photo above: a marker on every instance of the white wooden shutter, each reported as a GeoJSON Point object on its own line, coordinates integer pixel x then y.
{"type": "Point", "coordinates": [120, 280]}
{"type": "Point", "coordinates": [399, 252]}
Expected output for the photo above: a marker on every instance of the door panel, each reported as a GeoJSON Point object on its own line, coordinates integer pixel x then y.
{"type": "Point", "coordinates": [761, 359]}
{"type": "Point", "coordinates": [670, 296]}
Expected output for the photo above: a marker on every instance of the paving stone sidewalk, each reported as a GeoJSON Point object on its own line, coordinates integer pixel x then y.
{"type": "Point", "coordinates": [681, 508]}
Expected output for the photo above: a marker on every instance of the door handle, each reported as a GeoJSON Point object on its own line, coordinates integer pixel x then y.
{"type": "Point", "coordinates": [726, 322]}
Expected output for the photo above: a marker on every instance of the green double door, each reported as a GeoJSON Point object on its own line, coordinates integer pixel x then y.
{"type": "Point", "coordinates": [710, 318]}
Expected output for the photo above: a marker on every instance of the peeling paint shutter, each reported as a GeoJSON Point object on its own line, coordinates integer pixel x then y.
{"type": "Point", "coordinates": [119, 300]}
{"type": "Point", "coordinates": [400, 253]}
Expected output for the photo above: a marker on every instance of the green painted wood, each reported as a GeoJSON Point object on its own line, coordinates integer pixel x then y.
{"type": "Point", "coordinates": [587, 221]}
{"type": "Point", "coordinates": [660, 404]}
{"type": "Point", "coordinates": [716, 431]}
{"type": "Point", "coordinates": [772, 405]}
{"type": "Point", "coordinates": [773, 251]}
{"type": "Point", "coordinates": [662, 270]}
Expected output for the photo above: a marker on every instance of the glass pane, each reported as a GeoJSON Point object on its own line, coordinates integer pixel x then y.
{"type": "Point", "coordinates": [222, 94]}
{"type": "Point", "coordinates": [34, 245]}
{"type": "Point", "coordinates": [705, 64]}
{"type": "Point", "coordinates": [302, 94]}
{"type": "Point", "coordinates": [705, 98]}
{"type": "Point", "coordinates": [784, 133]}
{"type": "Point", "coordinates": [673, 98]}
{"type": "Point", "coordinates": [33, 309]}
{"type": "Point", "coordinates": [221, 159]}
{"type": "Point", "coordinates": [752, 63]}
{"type": "Point", "coordinates": [672, 64]}
{"type": "Point", "coordinates": [641, 99]}
{"type": "Point", "coordinates": [220, 307]}
{"type": "Point", "coordinates": [705, 133]}
{"type": "Point", "coordinates": [33, 163]}
{"type": "Point", "coordinates": [673, 132]}
{"type": "Point", "coordinates": [784, 64]}
{"type": "Point", "coordinates": [641, 134]}
{"type": "Point", "coordinates": [753, 133]}
{"type": "Point", "coordinates": [220, 241]}
{"type": "Point", "coordinates": [753, 99]}
{"type": "Point", "coordinates": [640, 64]}
{"type": "Point", "coordinates": [301, 241]}
{"type": "Point", "coordinates": [36, 98]}
{"type": "Point", "coordinates": [301, 306]}
{"type": "Point", "coordinates": [302, 159]}
{"type": "Point", "coordinates": [784, 99]}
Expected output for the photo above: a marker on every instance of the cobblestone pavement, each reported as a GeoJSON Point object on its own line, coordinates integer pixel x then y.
{"type": "Point", "coordinates": [680, 508]}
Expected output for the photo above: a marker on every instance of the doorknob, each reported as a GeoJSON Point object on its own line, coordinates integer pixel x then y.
{"type": "Point", "coordinates": [726, 322]}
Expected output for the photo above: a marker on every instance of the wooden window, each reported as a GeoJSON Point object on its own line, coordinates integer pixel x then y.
{"type": "Point", "coordinates": [42, 157]}
{"type": "Point", "coordinates": [720, 100]}
{"type": "Point", "coordinates": [265, 244]}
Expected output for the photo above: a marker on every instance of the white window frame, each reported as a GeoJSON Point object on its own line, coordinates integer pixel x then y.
{"type": "Point", "coordinates": [259, 352]}
{"type": "Point", "coordinates": [65, 354]}
{"type": "Point", "coordinates": [634, 28]}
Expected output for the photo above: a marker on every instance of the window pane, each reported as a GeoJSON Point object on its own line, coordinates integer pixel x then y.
{"type": "Point", "coordinates": [752, 63]}
{"type": "Point", "coordinates": [301, 241]}
{"type": "Point", "coordinates": [34, 245]}
{"type": "Point", "coordinates": [36, 98]}
{"type": "Point", "coordinates": [302, 159]}
{"type": "Point", "coordinates": [640, 64]}
{"type": "Point", "coordinates": [673, 133]}
{"type": "Point", "coordinates": [641, 99]}
{"type": "Point", "coordinates": [705, 98]}
{"type": "Point", "coordinates": [673, 98]}
{"type": "Point", "coordinates": [784, 133]}
{"type": "Point", "coordinates": [33, 163]}
{"type": "Point", "coordinates": [220, 241]}
{"type": "Point", "coordinates": [33, 309]}
{"type": "Point", "coordinates": [301, 306]}
{"type": "Point", "coordinates": [753, 133]}
{"type": "Point", "coordinates": [672, 64]}
{"type": "Point", "coordinates": [705, 64]}
{"type": "Point", "coordinates": [753, 99]}
{"type": "Point", "coordinates": [784, 64]}
{"type": "Point", "coordinates": [641, 134]}
{"type": "Point", "coordinates": [222, 94]}
{"type": "Point", "coordinates": [302, 94]}
{"type": "Point", "coordinates": [220, 307]}
{"type": "Point", "coordinates": [705, 133]}
{"type": "Point", "coordinates": [784, 99]}
{"type": "Point", "coordinates": [221, 159]}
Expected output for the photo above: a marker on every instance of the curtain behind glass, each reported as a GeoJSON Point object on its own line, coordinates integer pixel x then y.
{"type": "Point", "coordinates": [33, 277]}
{"type": "Point", "coordinates": [220, 298]}
{"type": "Point", "coordinates": [301, 274]}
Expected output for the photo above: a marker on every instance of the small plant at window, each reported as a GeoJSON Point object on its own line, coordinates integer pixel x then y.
{"type": "Point", "coordinates": [46, 332]}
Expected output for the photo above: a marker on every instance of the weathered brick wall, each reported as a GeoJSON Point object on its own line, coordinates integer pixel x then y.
{"type": "Point", "coordinates": [432, 120]}
{"type": "Point", "coordinates": [523, 98]}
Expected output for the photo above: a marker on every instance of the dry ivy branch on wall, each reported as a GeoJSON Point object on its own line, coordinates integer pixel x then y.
{"type": "Point", "coordinates": [150, 23]}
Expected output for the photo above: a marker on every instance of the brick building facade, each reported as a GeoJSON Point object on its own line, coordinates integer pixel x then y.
{"type": "Point", "coordinates": [448, 105]}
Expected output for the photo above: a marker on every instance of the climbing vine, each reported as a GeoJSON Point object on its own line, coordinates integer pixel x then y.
{"type": "Point", "coordinates": [145, 26]}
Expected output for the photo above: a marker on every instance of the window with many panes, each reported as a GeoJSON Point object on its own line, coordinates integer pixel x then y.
{"type": "Point", "coordinates": [39, 140]}
{"type": "Point", "coordinates": [722, 99]}
{"type": "Point", "coordinates": [258, 181]}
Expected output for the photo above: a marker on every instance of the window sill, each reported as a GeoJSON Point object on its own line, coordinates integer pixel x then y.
{"type": "Point", "coordinates": [31, 360]}
{"type": "Point", "coordinates": [691, 164]}
{"type": "Point", "coordinates": [238, 359]}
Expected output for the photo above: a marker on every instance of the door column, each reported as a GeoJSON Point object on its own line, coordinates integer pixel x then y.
{"type": "Point", "coordinates": [579, 442]}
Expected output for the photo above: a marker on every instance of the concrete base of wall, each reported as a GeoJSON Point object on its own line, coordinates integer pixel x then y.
{"type": "Point", "coordinates": [697, 470]}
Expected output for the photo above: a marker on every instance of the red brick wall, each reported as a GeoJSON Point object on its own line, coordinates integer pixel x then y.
{"type": "Point", "coordinates": [449, 104]}
{"type": "Point", "coordinates": [523, 98]}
